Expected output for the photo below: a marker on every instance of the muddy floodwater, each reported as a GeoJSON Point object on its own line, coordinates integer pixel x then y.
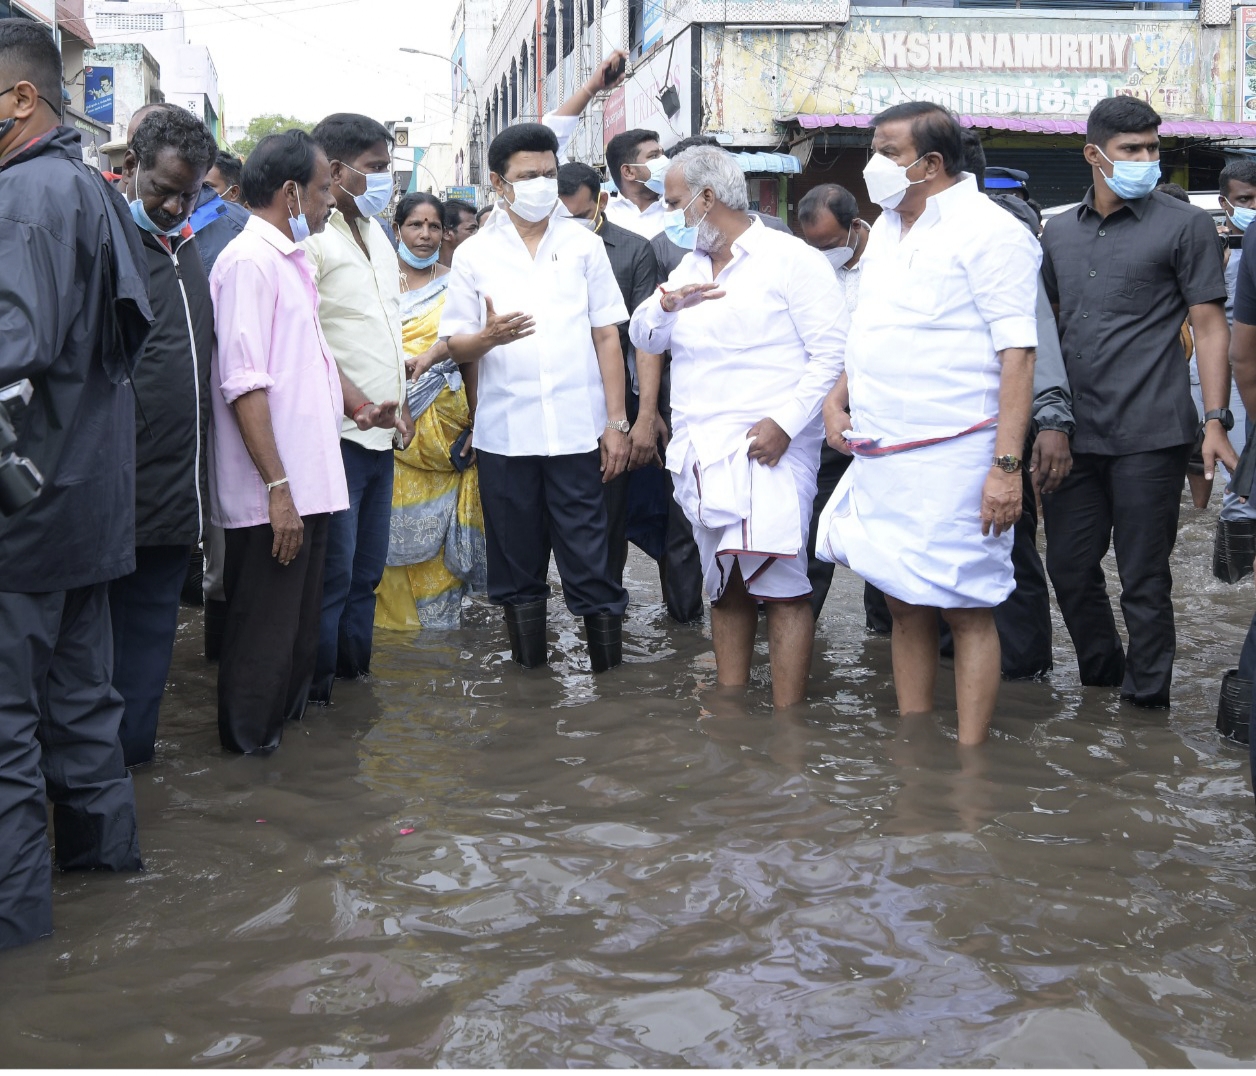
{"type": "Point", "coordinates": [464, 864]}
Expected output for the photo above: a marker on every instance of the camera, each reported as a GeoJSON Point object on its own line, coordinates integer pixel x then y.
{"type": "Point", "coordinates": [20, 480]}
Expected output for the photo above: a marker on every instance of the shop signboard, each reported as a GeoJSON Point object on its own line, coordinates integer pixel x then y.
{"type": "Point", "coordinates": [1023, 66]}
{"type": "Point", "coordinates": [639, 104]}
{"type": "Point", "coordinates": [462, 194]}
{"type": "Point", "coordinates": [1245, 95]}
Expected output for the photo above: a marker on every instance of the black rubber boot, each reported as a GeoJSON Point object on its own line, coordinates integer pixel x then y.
{"type": "Point", "coordinates": [605, 634]}
{"type": "Point", "coordinates": [1234, 708]}
{"type": "Point", "coordinates": [525, 624]}
{"type": "Point", "coordinates": [215, 622]}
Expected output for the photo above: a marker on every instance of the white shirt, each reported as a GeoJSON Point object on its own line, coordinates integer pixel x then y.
{"type": "Point", "coordinates": [848, 284]}
{"type": "Point", "coordinates": [770, 348]}
{"type": "Point", "coordinates": [936, 306]}
{"type": "Point", "coordinates": [359, 306]}
{"type": "Point", "coordinates": [541, 395]}
{"type": "Point", "coordinates": [646, 223]}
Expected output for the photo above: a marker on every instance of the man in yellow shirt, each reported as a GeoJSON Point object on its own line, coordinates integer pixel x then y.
{"type": "Point", "coordinates": [355, 268]}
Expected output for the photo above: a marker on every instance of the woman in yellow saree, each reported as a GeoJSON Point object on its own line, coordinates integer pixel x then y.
{"type": "Point", "coordinates": [436, 543]}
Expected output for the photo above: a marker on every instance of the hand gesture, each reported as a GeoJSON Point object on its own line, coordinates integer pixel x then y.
{"type": "Point", "coordinates": [1217, 448]}
{"type": "Point", "coordinates": [769, 442]}
{"type": "Point", "coordinates": [614, 446]}
{"type": "Point", "coordinates": [1051, 461]}
{"type": "Point", "coordinates": [1000, 502]}
{"type": "Point", "coordinates": [836, 423]}
{"type": "Point", "coordinates": [689, 295]}
{"type": "Point", "coordinates": [286, 524]}
{"type": "Point", "coordinates": [609, 74]}
{"type": "Point", "coordinates": [377, 416]}
{"type": "Point", "coordinates": [502, 329]}
{"type": "Point", "coordinates": [643, 444]}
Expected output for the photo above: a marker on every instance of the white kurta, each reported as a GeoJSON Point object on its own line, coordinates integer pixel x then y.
{"type": "Point", "coordinates": [936, 306]}
{"type": "Point", "coordinates": [770, 348]}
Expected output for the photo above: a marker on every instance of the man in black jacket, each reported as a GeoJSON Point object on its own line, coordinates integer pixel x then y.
{"type": "Point", "coordinates": [73, 317]}
{"type": "Point", "coordinates": [163, 170]}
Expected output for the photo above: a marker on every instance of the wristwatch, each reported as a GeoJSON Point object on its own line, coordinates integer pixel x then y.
{"type": "Point", "coordinates": [1010, 464]}
{"type": "Point", "coordinates": [623, 425]}
{"type": "Point", "coordinates": [1223, 415]}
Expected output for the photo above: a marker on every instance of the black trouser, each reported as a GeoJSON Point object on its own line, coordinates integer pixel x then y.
{"type": "Point", "coordinates": [270, 642]}
{"type": "Point", "coordinates": [533, 504]}
{"type": "Point", "coordinates": [1131, 502]}
{"type": "Point", "coordinates": [1024, 618]}
{"type": "Point", "coordinates": [59, 718]}
{"type": "Point", "coordinates": [680, 567]}
{"type": "Point", "coordinates": [833, 465]}
{"type": "Point", "coordinates": [144, 607]}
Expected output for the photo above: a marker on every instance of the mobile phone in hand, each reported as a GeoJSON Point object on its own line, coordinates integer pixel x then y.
{"type": "Point", "coordinates": [614, 72]}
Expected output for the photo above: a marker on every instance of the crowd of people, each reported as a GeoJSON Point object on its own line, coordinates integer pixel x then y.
{"type": "Point", "coordinates": [355, 411]}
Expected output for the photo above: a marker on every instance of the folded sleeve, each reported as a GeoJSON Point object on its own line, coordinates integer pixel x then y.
{"type": "Point", "coordinates": [606, 301]}
{"type": "Point", "coordinates": [1002, 269]}
{"type": "Point", "coordinates": [1200, 263]}
{"type": "Point", "coordinates": [244, 313]}
{"type": "Point", "coordinates": [1053, 399]}
{"type": "Point", "coordinates": [32, 328]}
{"type": "Point", "coordinates": [821, 319]}
{"type": "Point", "coordinates": [563, 127]}
{"type": "Point", "coordinates": [463, 312]}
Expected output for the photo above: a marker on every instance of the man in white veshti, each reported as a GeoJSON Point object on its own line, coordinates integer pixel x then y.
{"type": "Point", "coordinates": [756, 328]}
{"type": "Point", "coordinates": [940, 362]}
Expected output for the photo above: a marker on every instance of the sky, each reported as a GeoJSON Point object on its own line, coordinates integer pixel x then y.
{"type": "Point", "coordinates": [306, 58]}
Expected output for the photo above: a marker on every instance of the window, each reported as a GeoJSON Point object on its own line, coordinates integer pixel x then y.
{"type": "Point", "coordinates": [588, 13]}
{"type": "Point", "coordinates": [551, 38]}
{"type": "Point", "coordinates": [523, 75]}
{"type": "Point", "coordinates": [505, 99]}
{"type": "Point", "coordinates": [514, 90]}
{"type": "Point", "coordinates": [112, 20]}
{"type": "Point", "coordinates": [569, 25]}
{"type": "Point", "coordinates": [635, 28]}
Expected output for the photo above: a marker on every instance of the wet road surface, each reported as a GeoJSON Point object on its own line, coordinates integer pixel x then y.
{"type": "Point", "coordinates": [464, 864]}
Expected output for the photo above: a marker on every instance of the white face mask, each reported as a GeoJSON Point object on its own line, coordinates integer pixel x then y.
{"type": "Point", "coordinates": [534, 198]}
{"type": "Point", "coordinates": [887, 180]}
{"type": "Point", "coordinates": [839, 256]}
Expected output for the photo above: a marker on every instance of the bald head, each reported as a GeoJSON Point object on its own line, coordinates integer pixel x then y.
{"type": "Point", "coordinates": [137, 117]}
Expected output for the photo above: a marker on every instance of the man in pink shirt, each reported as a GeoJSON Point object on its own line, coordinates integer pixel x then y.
{"type": "Point", "coordinates": [276, 474]}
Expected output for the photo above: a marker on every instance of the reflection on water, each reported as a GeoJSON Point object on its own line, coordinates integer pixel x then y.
{"type": "Point", "coordinates": [464, 864]}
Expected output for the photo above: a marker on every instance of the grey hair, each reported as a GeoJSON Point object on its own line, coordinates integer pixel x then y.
{"type": "Point", "coordinates": [711, 166]}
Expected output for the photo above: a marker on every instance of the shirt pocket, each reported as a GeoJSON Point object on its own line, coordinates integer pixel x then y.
{"type": "Point", "coordinates": [924, 285]}
{"type": "Point", "coordinates": [1131, 285]}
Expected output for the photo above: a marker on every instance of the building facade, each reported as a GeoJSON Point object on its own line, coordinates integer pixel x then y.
{"type": "Point", "coordinates": [794, 84]}
{"type": "Point", "coordinates": [188, 76]}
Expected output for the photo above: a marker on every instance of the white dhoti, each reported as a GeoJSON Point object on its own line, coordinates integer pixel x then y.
{"type": "Point", "coordinates": [910, 523]}
{"type": "Point", "coordinates": [750, 516]}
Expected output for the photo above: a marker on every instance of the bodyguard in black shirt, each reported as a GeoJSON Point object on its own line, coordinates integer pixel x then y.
{"type": "Point", "coordinates": [1124, 270]}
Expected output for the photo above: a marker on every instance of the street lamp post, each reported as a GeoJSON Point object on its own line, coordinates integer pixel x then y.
{"type": "Point", "coordinates": [474, 146]}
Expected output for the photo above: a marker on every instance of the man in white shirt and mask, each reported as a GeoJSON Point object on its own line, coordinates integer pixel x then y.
{"type": "Point", "coordinates": [533, 300]}
{"type": "Point", "coordinates": [756, 328]}
{"type": "Point", "coordinates": [940, 364]}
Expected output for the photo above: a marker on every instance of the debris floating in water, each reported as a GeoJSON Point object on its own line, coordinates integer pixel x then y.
{"type": "Point", "coordinates": [406, 832]}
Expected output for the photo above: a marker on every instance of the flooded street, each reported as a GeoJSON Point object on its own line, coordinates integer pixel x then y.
{"type": "Point", "coordinates": [464, 864]}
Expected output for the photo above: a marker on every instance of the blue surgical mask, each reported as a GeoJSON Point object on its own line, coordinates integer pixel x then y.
{"type": "Point", "coordinates": [299, 225]}
{"type": "Point", "coordinates": [413, 260]}
{"type": "Point", "coordinates": [1240, 216]}
{"type": "Point", "coordinates": [140, 215]}
{"type": "Point", "coordinates": [1132, 179]}
{"type": "Point", "coordinates": [658, 169]}
{"type": "Point", "coordinates": [683, 235]}
{"type": "Point", "coordinates": [379, 188]}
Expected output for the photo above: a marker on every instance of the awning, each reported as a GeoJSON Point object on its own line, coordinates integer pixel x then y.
{"type": "Point", "coordinates": [785, 163]}
{"type": "Point", "coordinates": [1035, 125]}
